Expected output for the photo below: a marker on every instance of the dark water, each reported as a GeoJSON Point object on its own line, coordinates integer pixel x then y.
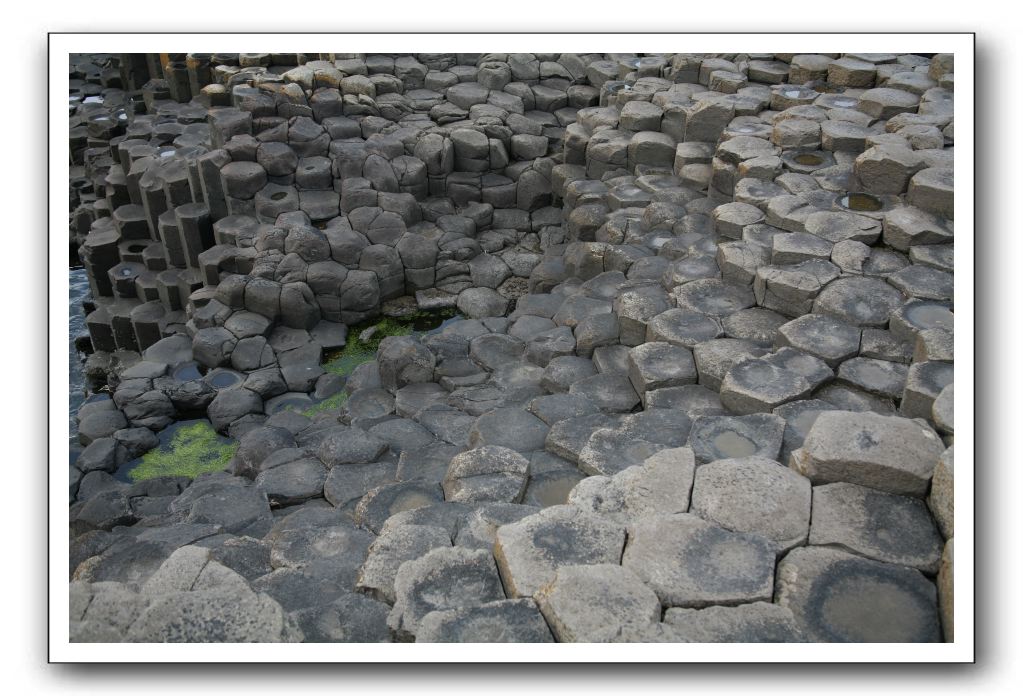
{"type": "Point", "coordinates": [79, 290]}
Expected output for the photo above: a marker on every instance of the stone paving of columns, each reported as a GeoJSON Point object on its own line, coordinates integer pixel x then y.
{"type": "Point", "coordinates": [699, 388]}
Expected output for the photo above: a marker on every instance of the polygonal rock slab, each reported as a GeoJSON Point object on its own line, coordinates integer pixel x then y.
{"type": "Point", "coordinates": [892, 454]}
{"type": "Point", "coordinates": [293, 482]}
{"type": "Point", "coordinates": [659, 486]}
{"type": "Point", "coordinates": [503, 621]}
{"type": "Point", "coordinates": [334, 552]}
{"type": "Point", "coordinates": [511, 428]}
{"type": "Point", "coordinates": [383, 502]}
{"type": "Point", "coordinates": [530, 551]}
{"type": "Point", "coordinates": [859, 301]}
{"type": "Point", "coordinates": [394, 546]}
{"type": "Point", "coordinates": [343, 445]}
{"type": "Point", "coordinates": [884, 527]}
{"type": "Point", "coordinates": [479, 527]}
{"type": "Point", "coordinates": [824, 337]}
{"type": "Point", "coordinates": [487, 474]}
{"type": "Point", "coordinates": [445, 578]}
{"type": "Point", "coordinates": [610, 392]}
{"type": "Point", "coordinates": [758, 386]}
{"type": "Point", "coordinates": [213, 617]}
{"type": "Point", "coordinates": [760, 622]}
{"type": "Point", "coordinates": [689, 562]}
{"type": "Point", "coordinates": [754, 495]}
{"type": "Point", "coordinates": [637, 437]}
{"type": "Point", "coordinates": [596, 603]}
{"type": "Point", "coordinates": [837, 597]}
{"type": "Point", "coordinates": [656, 365]}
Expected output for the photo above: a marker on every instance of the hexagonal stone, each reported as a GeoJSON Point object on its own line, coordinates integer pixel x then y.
{"type": "Point", "coordinates": [887, 169]}
{"type": "Point", "coordinates": [682, 327]}
{"type": "Point", "coordinates": [885, 102]}
{"type": "Point", "coordinates": [529, 552]}
{"type": "Point", "coordinates": [760, 622]}
{"type": "Point", "coordinates": [933, 190]}
{"type": "Point", "coordinates": [345, 484]}
{"type": "Point", "coordinates": [555, 408]}
{"type": "Point", "coordinates": [656, 365]}
{"type": "Point", "coordinates": [394, 546]}
{"type": "Point", "coordinates": [503, 621]}
{"type": "Point", "coordinates": [383, 502]}
{"type": "Point", "coordinates": [923, 282]}
{"type": "Point", "coordinates": [477, 303]}
{"type": "Point", "coordinates": [343, 445]}
{"type": "Point", "coordinates": [403, 360]}
{"type": "Point", "coordinates": [754, 495]}
{"type": "Point", "coordinates": [561, 373]}
{"type": "Point", "coordinates": [445, 578]}
{"type": "Point", "coordinates": [838, 227]}
{"type": "Point", "coordinates": [568, 437]}
{"type": "Point", "coordinates": [892, 454]}
{"type": "Point", "coordinates": [736, 437]}
{"type": "Point", "coordinates": [924, 382]}
{"type": "Point", "coordinates": [632, 440]}
{"type": "Point", "coordinates": [596, 603]}
{"type": "Point", "coordinates": [758, 386]}
{"type": "Point", "coordinates": [487, 474]}
{"type": "Point", "coordinates": [821, 336]}
{"type": "Point", "coordinates": [212, 616]}
{"type": "Point", "coordinates": [660, 485]}
{"type": "Point", "coordinates": [610, 392]}
{"type": "Point", "coordinates": [351, 618]}
{"type": "Point", "coordinates": [689, 562]}
{"type": "Point", "coordinates": [859, 301]}
{"type": "Point", "coordinates": [791, 290]}
{"type": "Point", "coordinates": [334, 552]}
{"type": "Point", "coordinates": [713, 297]}
{"type": "Point", "coordinates": [293, 482]}
{"type": "Point", "coordinates": [550, 345]}
{"type": "Point", "coordinates": [907, 226]}
{"type": "Point", "coordinates": [635, 307]}
{"type": "Point", "coordinates": [881, 377]}
{"type": "Point", "coordinates": [885, 527]}
{"type": "Point", "coordinates": [837, 597]}
{"type": "Point", "coordinates": [512, 428]}
{"type": "Point", "coordinates": [714, 358]}
{"type": "Point", "coordinates": [478, 528]}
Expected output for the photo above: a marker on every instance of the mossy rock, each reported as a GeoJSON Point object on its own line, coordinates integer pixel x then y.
{"type": "Point", "coordinates": [194, 448]}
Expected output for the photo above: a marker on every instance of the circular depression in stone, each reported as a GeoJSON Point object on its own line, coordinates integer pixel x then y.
{"type": "Point", "coordinates": [861, 202]}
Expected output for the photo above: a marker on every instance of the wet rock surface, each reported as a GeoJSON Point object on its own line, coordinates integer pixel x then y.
{"type": "Point", "coordinates": [514, 348]}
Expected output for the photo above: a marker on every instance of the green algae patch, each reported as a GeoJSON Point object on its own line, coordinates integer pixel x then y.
{"type": "Point", "coordinates": [357, 351]}
{"type": "Point", "coordinates": [343, 361]}
{"type": "Point", "coordinates": [194, 448]}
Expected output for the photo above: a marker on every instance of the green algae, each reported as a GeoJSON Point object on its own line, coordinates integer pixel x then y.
{"type": "Point", "coordinates": [343, 361]}
{"type": "Point", "coordinates": [356, 351]}
{"type": "Point", "coordinates": [195, 448]}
